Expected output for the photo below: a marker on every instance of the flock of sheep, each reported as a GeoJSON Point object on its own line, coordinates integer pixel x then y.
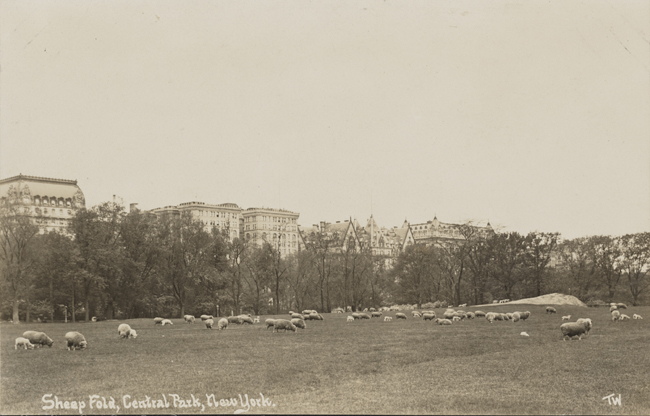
{"type": "Point", "coordinates": [582, 326]}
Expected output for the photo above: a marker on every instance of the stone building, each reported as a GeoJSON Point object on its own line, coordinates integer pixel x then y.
{"type": "Point", "coordinates": [278, 227]}
{"type": "Point", "coordinates": [436, 232]}
{"type": "Point", "coordinates": [223, 216]}
{"type": "Point", "coordinates": [52, 202]}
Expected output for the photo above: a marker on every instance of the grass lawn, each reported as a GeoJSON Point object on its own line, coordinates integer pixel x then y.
{"type": "Point", "coordinates": [367, 366]}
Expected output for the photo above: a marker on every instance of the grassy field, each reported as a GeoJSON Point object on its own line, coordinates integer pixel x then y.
{"type": "Point", "coordinates": [366, 366]}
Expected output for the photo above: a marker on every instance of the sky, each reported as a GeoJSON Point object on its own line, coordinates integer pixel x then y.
{"type": "Point", "coordinates": [533, 115]}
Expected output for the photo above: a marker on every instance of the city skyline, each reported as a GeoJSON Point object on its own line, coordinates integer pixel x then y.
{"type": "Point", "coordinates": [335, 110]}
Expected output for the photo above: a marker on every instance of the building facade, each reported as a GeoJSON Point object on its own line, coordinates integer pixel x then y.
{"type": "Point", "coordinates": [436, 232]}
{"type": "Point", "coordinates": [223, 216]}
{"type": "Point", "coordinates": [52, 202]}
{"type": "Point", "coordinates": [278, 227]}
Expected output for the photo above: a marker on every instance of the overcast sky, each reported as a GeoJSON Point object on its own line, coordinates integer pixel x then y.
{"type": "Point", "coordinates": [534, 115]}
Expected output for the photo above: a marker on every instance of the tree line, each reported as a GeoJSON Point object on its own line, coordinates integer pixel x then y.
{"type": "Point", "coordinates": [117, 265]}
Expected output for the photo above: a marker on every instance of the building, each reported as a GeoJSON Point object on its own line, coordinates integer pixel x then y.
{"type": "Point", "coordinates": [52, 202]}
{"type": "Point", "coordinates": [382, 241]}
{"type": "Point", "coordinates": [336, 236]}
{"type": "Point", "coordinates": [278, 227]}
{"type": "Point", "coordinates": [436, 232]}
{"type": "Point", "coordinates": [223, 216]}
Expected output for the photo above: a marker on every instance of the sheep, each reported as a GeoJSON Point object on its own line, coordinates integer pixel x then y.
{"type": "Point", "coordinates": [235, 320]}
{"type": "Point", "coordinates": [470, 315]}
{"type": "Point", "coordinates": [365, 316]}
{"type": "Point", "coordinates": [222, 324]}
{"type": "Point", "coordinates": [464, 305]}
{"type": "Point", "coordinates": [479, 314]}
{"type": "Point", "coordinates": [206, 317]}
{"type": "Point", "coordinates": [572, 329]}
{"type": "Point", "coordinates": [315, 316]}
{"type": "Point", "coordinates": [635, 316]}
{"type": "Point", "coordinates": [76, 341]}
{"type": "Point", "coordinates": [297, 316]}
{"type": "Point", "coordinates": [365, 309]}
{"type": "Point", "coordinates": [491, 317]}
{"type": "Point", "coordinates": [372, 310]}
{"type": "Point", "coordinates": [613, 308]}
{"type": "Point", "coordinates": [23, 343]}
{"type": "Point", "coordinates": [550, 309]}
{"type": "Point", "coordinates": [585, 321]}
{"type": "Point", "coordinates": [495, 301]}
{"type": "Point", "coordinates": [388, 318]}
{"type": "Point", "coordinates": [504, 317]}
{"type": "Point", "coordinates": [460, 314]}
{"type": "Point", "coordinates": [416, 314]}
{"type": "Point", "coordinates": [524, 334]}
{"type": "Point", "coordinates": [308, 311]}
{"type": "Point", "coordinates": [283, 324]}
{"type": "Point", "coordinates": [524, 315]}
{"type": "Point", "coordinates": [442, 321]}
{"type": "Point", "coordinates": [356, 315]}
{"type": "Point", "coordinates": [375, 314]}
{"type": "Point", "coordinates": [166, 322]}
{"type": "Point", "coordinates": [566, 318]}
{"type": "Point", "coordinates": [449, 315]}
{"type": "Point", "coordinates": [158, 320]}
{"type": "Point", "coordinates": [616, 316]}
{"type": "Point", "coordinates": [40, 338]}
{"type": "Point", "coordinates": [256, 320]}
{"type": "Point", "coordinates": [269, 323]}
{"type": "Point", "coordinates": [291, 313]}
{"type": "Point", "coordinates": [509, 316]}
{"type": "Point", "coordinates": [400, 315]}
{"type": "Point", "coordinates": [189, 319]}
{"type": "Point", "coordinates": [621, 306]}
{"type": "Point", "coordinates": [516, 317]}
{"type": "Point", "coordinates": [456, 319]}
{"type": "Point", "coordinates": [208, 323]}
{"type": "Point", "coordinates": [125, 331]}
{"type": "Point", "coordinates": [429, 316]}
{"type": "Point", "coordinates": [299, 323]}
{"type": "Point", "coordinates": [350, 319]}
{"type": "Point", "coordinates": [624, 317]}
{"type": "Point", "coordinates": [245, 319]}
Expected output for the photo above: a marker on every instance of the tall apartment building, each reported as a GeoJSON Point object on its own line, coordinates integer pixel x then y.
{"type": "Point", "coordinates": [278, 227]}
{"type": "Point", "coordinates": [52, 202]}
{"type": "Point", "coordinates": [224, 216]}
{"type": "Point", "coordinates": [436, 232]}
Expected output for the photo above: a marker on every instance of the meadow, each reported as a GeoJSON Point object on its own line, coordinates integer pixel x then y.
{"type": "Point", "coordinates": [369, 366]}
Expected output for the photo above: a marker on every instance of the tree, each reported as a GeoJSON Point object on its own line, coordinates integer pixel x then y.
{"type": "Point", "coordinates": [606, 252]}
{"type": "Point", "coordinates": [237, 249]}
{"type": "Point", "coordinates": [538, 254]}
{"type": "Point", "coordinates": [259, 265]}
{"type": "Point", "coordinates": [508, 254]}
{"type": "Point", "coordinates": [300, 277]}
{"type": "Point", "coordinates": [18, 229]}
{"type": "Point", "coordinates": [635, 262]}
{"type": "Point", "coordinates": [414, 271]}
{"type": "Point", "coordinates": [323, 245]}
{"type": "Point", "coordinates": [479, 258]}
{"type": "Point", "coordinates": [577, 263]}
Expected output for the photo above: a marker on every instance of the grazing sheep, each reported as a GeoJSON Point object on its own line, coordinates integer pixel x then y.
{"type": "Point", "coordinates": [495, 301]}
{"type": "Point", "coordinates": [365, 309]}
{"type": "Point", "coordinates": [315, 316]}
{"type": "Point", "coordinates": [376, 314]}
{"type": "Point", "coordinates": [443, 321]}
{"type": "Point", "coordinates": [572, 329]}
{"type": "Point", "coordinates": [125, 331]}
{"type": "Point", "coordinates": [356, 315]}
{"type": "Point", "coordinates": [491, 317]}
{"type": "Point", "coordinates": [416, 314]}
{"type": "Point", "coordinates": [350, 318]}
{"type": "Point", "coordinates": [479, 314]}
{"type": "Point", "coordinates": [470, 315]}
{"type": "Point", "coordinates": [616, 315]}
{"type": "Point", "coordinates": [464, 305]}
{"type": "Point", "coordinates": [509, 316]}
{"type": "Point", "coordinates": [372, 309]}
{"type": "Point", "coordinates": [550, 309]}
{"type": "Point", "coordinates": [449, 314]}
{"type": "Point", "coordinates": [256, 320]}
{"type": "Point", "coordinates": [158, 320]}
{"type": "Point", "coordinates": [206, 317]}
{"type": "Point", "coordinates": [297, 316]}
{"type": "Point", "coordinates": [93, 319]}
{"type": "Point", "coordinates": [291, 313]}
{"type": "Point", "coordinates": [621, 306]}
{"type": "Point", "coordinates": [189, 319]}
{"type": "Point", "coordinates": [613, 308]}
{"type": "Point", "coordinates": [456, 319]}
{"type": "Point", "coordinates": [429, 316]}
{"type": "Point", "coordinates": [75, 341]}
{"type": "Point", "coordinates": [524, 334]}
{"type": "Point", "coordinates": [269, 323]}
{"type": "Point", "coordinates": [365, 316]}
{"type": "Point", "coordinates": [246, 319]}
{"type": "Point", "coordinates": [566, 318]}
{"type": "Point", "coordinates": [235, 320]}
{"type": "Point", "coordinates": [586, 321]}
{"type": "Point", "coordinates": [283, 324]}
{"type": "Point", "coordinates": [504, 317]}
{"type": "Point", "coordinates": [635, 316]}
{"type": "Point", "coordinates": [23, 343]}
{"type": "Point", "coordinates": [40, 339]}
{"type": "Point", "coordinates": [388, 318]}
{"type": "Point", "coordinates": [624, 317]}
{"type": "Point", "coordinates": [166, 322]}
{"type": "Point", "coordinates": [516, 317]}
{"type": "Point", "coordinates": [308, 311]}
{"type": "Point", "coordinates": [524, 315]}
{"type": "Point", "coordinates": [208, 323]}
{"type": "Point", "coordinates": [299, 323]}
{"type": "Point", "coordinates": [222, 324]}
{"type": "Point", "coordinates": [400, 315]}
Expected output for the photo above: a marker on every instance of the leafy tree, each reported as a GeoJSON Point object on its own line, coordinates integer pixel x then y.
{"type": "Point", "coordinates": [508, 254]}
{"type": "Point", "coordinates": [540, 247]}
{"type": "Point", "coordinates": [414, 271]}
{"type": "Point", "coordinates": [635, 263]}
{"type": "Point", "coordinates": [606, 252]}
{"type": "Point", "coordinates": [577, 264]}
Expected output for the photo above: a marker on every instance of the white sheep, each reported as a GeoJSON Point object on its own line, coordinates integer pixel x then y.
{"type": "Point", "coordinates": [208, 323]}
{"type": "Point", "coordinates": [256, 320]}
{"type": "Point", "coordinates": [416, 314]}
{"type": "Point", "coordinates": [615, 316]}
{"type": "Point", "coordinates": [464, 305]}
{"type": "Point", "coordinates": [621, 306]}
{"type": "Point", "coordinates": [297, 316]}
{"type": "Point", "coordinates": [624, 317]}
{"type": "Point", "coordinates": [470, 315]}
{"type": "Point", "coordinates": [40, 338]}
{"type": "Point", "coordinates": [166, 322]}
{"type": "Point", "coordinates": [283, 324]}
{"type": "Point", "coordinates": [299, 323]}
{"type": "Point", "coordinates": [23, 343]}
{"type": "Point", "coordinates": [365, 309]}
{"type": "Point", "coordinates": [206, 317]}
{"type": "Point", "coordinates": [572, 329]}
{"type": "Point", "coordinates": [550, 309]}
{"type": "Point", "coordinates": [189, 319]}
{"type": "Point", "coordinates": [524, 315]}
{"type": "Point", "coordinates": [350, 319]}
{"type": "Point", "coordinates": [269, 323]}
{"type": "Point", "coordinates": [566, 318]}
{"type": "Point", "coordinates": [75, 341]}
{"type": "Point", "coordinates": [443, 321]}
{"type": "Point", "coordinates": [588, 323]}
{"type": "Point", "coordinates": [635, 316]}
{"type": "Point", "coordinates": [158, 320]}
{"type": "Point", "coordinates": [523, 334]}
{"type": "Point", "coordinates": [125, 331]}
{"type": "Point", "coordinates": [376, 314]}
{"type": "Point", "coordinates": [365, 316]}
{"type": "Point", "coordinates": [429, 316]}
{"type": "Point", "coordinates": [479, 314]}
{"type": "Point", "coordinates": [222, 324]}
{"type": "Point", "coordinates": [456, 319]}
{"type": "Point", "coordinates": [246, 319]}
{"type": "Point", "coordinates": [400, 315]}
{"type": "Point", "coordinates": [388, 318]}
{"type": "Point", "coordinates": [516, 317]}
{"type": "Point", "coordinates": [613, 308]}
{"type": "Point", "coordinates": [491, 317]}
{"type": "Point", "coordinates": [356, 315]}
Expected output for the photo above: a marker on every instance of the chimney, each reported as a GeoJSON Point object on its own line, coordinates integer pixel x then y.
{"type": "Point", "coordinates": [322, 226]}
{"type": "Point", "coordinates": [133, 207]}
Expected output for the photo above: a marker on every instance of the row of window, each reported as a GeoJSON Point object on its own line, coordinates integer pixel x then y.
{"type": "Point", "coordinates": [52, 201]}
{"type": "Point", "coordinates": [268, 218]}
{"type": "Point", "coordinates": [217, 214]}
{"type": "Point", "coordinates": [271, 227]}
